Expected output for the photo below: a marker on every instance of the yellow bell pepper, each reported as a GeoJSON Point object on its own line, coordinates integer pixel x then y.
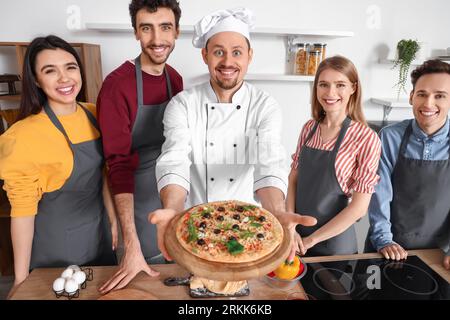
{"type": "Point", "coordinates": [288, 270]}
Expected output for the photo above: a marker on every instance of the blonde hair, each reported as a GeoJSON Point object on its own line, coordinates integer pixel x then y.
{"type": "Point", "coordinates": [347, 68]}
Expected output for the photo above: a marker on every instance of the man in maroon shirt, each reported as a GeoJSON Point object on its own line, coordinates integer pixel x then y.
{"type": "Point", "coordinates": [131, 105]}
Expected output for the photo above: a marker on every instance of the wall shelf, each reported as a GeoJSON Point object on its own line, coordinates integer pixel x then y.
{"type": "Point", "coordinates": [393, 103]}
{"type": "Point", "coordinates": [278, 77]}
{"type": "Point", "coordinates": [265, 77]}
{"type": "Point", "coordinates": [292, 36]}
{"type": "Point", "coordinates": [388, 104]}
{"type": "Point", "coordinates": [392, 61]}
{"type": "Point", "coordinates": [416, 62]}
{"type": "Point", "coordinates": [126, 27]}
{"type": "Point", "coordinates": [15, 97]}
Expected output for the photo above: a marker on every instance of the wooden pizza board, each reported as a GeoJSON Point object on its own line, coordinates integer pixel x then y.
{"type": "Point", "coordinates": [219, 270]}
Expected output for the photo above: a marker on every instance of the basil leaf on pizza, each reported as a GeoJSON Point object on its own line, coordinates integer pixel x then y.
{"type": "Point", "coordinates": [193, 235]}
{"type": "Point", "coordinates": [234, 247]}
{"type": "Point", "coordinates": [229, 232]}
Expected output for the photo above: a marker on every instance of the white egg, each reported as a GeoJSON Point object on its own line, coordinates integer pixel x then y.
{"type": "Point", "coordinates": [58, 285]}
{"type": "Point", "coordinates": [79, 277]}
{"type": "Point", "coordinates": [74, 267]}
{"type": "Point", "coordinates": [67, 273]}
{"type": "Point", "coordinates": [71, 286]}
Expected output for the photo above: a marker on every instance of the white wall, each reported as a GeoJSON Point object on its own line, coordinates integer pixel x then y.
{"type": "Point", "coordinates": [423, 20]}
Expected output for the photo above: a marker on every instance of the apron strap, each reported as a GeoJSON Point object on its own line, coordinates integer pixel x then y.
{"type": "Point", "coordinates": [140, 83]}
{"type": "Point", "coordinates": [90, 117]}
{"type": "Point", "coordinates": [168, 84]}
{"type": "Point", "coordinates": [448, 136]}
{"type": "Point", "coordinates": [341, 136]}
{"type": "Point", "coordinates": [314, 129]}
{"type": "Point", "coordinates": [54, 119]}
{"type": "Point", "coordinates": [402, 150]}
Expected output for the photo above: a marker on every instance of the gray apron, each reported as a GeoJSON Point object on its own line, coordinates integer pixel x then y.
{"type": "Point", "coordinates": [148, 138]}
{"type": "Point", "coordinates": [421, 203]}
{"type": "Point", "coordinates": [320, 195]}
{"type": "Point", "coordinates": [71, 226]}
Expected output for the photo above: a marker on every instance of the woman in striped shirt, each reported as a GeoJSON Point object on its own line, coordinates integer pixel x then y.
{"type": "Point", "coordinates": [336, 160]}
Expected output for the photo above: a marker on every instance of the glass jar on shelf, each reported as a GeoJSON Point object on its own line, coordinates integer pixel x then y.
{"type": "Point", "coordinates": [321, 47]}
{"type": "Point", "coordinates": [313, 62]}
{"type": "Point", "coordinates": [301, 59]}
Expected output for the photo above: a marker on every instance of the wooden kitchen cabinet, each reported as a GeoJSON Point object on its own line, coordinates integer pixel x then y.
{"type": "Point", "coordinates": [6, 252]}
{"type": "Point", "coordinates": [90, 56]}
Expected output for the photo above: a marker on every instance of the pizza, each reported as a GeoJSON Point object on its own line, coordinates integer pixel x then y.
{"type": "Point", "coordinates": [229, 232]}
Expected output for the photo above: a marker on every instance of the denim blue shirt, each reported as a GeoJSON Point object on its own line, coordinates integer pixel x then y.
{"type": "Point", "coordinates": [420, 146]}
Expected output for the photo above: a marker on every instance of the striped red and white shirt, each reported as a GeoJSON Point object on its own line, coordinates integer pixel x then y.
{"type": "Point", "coordinates": [356, 161]}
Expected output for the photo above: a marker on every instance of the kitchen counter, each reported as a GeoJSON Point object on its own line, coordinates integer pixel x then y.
{"type": "Point", "coordinates": [38, 285]}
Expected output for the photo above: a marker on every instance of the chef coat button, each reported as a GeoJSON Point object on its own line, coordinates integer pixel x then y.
{"type": "Point", "coordinates": [238, 107]}
{"type": "Point", "coordinates": [231, 180]}
{"type": "Point", "coordinates": [211, 144]}
{"type": "Point", "coordinates": [212, 108]}
{"type": "Point", "coordinates": [212, 179]}
{"type": "Point", "coordinates": [235, 145]}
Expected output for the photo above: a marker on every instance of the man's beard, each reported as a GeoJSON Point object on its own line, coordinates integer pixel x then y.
{"type": "Point", "coordinates": [227, 86]}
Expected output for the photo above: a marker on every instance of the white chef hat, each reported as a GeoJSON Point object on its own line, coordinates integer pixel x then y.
{"type": "Point", "coordinates": [238, 20]}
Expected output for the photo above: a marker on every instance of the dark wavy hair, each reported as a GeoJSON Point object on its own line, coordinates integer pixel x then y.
{"type": "Point", "coordinates": [33, 97]}
{"type": "Point", "coordinates": [152, 6]}
{"type": "Point", "coordinates": [428, 67]}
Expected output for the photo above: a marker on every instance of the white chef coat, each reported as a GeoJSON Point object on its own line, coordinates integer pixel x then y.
{"type": "Point", "coordinates": [222, 151]}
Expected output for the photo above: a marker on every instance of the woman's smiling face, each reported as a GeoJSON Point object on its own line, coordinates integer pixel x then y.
{"type": "Point", "coordinates": [58, 75]}
{"type": "Point", "coordinates": [334, 90]}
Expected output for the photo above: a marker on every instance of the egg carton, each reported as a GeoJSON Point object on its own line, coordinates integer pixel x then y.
{"type": "Point", "coordinates": [73, 295]}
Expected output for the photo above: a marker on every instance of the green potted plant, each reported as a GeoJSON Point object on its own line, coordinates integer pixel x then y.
{"type": "Point", "coordinates": [406, 53]}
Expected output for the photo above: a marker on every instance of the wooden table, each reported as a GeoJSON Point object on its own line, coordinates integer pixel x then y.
{"type": "Point", "coordinates": [39, 283]}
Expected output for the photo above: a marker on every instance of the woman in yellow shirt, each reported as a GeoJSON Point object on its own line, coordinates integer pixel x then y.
{"type": "Point", "coordinates": [52, 164]}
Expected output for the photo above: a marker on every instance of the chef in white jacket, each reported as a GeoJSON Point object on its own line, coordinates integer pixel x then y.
{"type": "Point", "coordinates": [223, 137]}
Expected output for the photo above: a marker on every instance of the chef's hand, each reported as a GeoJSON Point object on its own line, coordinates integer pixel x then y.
{"type": "Point", "coordinates": [132, 263]}
{"type": "Point", "coordinates": [446, 262]}
{"type": "Point", "coordinates": [291, 220]}
{"type": "Point", "coordinates": [162, 218]}
{"type": "Point", "coordinates": [394, 251]}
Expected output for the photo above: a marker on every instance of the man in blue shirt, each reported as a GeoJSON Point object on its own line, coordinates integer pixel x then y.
{"type": "Point", "coordinates": [411, 205]}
